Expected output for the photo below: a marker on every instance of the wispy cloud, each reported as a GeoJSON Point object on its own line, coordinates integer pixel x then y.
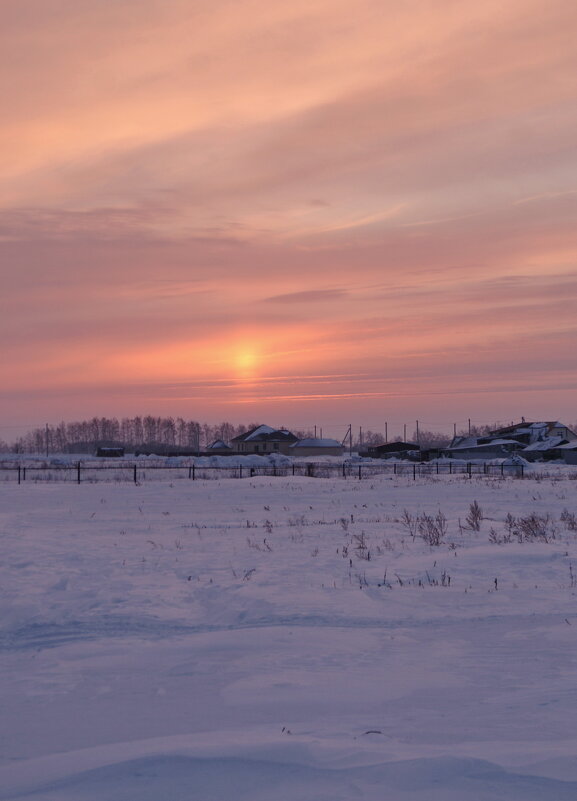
{"type": "Point", "coordinates": [307, 296]}
{"type": "Point", "coordinates": [544, 196]}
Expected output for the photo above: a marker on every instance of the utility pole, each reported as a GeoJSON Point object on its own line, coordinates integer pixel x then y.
{"type": "Point", "coordinates": [349, 434]}
{"type": "Point", "coordinates": [404, 432]}
{"type": "Point", "coordinates": [454, 430]}
{"type": "Point", "coordinates": [386, 433]}
{"type": "Point", "coordinates": [46, 439]}
{"type": "Point", "coordinates": [469, 426]}
{"type": "Point", "coordinates": [418, 438]}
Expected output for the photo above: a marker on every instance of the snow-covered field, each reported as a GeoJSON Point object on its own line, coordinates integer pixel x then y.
{"type": "Point", "coordinates": [289, 639]}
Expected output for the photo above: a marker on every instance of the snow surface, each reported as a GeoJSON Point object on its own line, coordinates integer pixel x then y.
{"type": "Point", "coordinates": [232, 639]}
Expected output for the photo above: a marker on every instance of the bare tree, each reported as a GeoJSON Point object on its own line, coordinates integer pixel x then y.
{"type": "Point", "coordinates": [431, 439]}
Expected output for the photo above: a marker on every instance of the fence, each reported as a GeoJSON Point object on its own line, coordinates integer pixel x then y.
{"type": "Point", "coordinates": [79, 472]}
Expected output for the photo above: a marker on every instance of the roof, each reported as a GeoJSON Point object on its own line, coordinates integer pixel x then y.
{"type": "Point", "coordinates": [218, 444]}
{"type": "Point", "coordinates": [392, 447]}
{"type": "Point", "coordinates": [461, 441]}
{"type": "Point", "coordinates": [473, 443]}
{"type": "Point", "coordinates": [254, 433]}
{"type": "Point", "coordinates": [312, 442]}
{"type": "Point", "coordinates": [266, 434]}
{"type": "Point", "coordinates": [524, 426]}
{"type": "Point", "coordinates": [530, 428]}
{"type": "Point", "coordinates": [545, 444]}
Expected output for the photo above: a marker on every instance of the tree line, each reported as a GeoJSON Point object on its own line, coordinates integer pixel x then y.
{"type": "Point", "coordinates": [132, 433]}
{"type": "Point", "coordinates": [148, 431]}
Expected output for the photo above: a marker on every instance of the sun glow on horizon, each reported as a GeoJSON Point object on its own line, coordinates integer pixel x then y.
{"type": "Point", "coordinates": [246, 360]}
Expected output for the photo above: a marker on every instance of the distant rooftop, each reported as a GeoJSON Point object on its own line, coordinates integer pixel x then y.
{"type": "Point", "coordinates": [313, 442]}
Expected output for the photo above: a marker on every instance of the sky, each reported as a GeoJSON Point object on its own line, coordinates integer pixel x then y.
{"type": "Point", "coordinates": [321, 212]}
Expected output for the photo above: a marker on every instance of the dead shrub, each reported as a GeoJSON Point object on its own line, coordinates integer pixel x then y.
{"type": "Point", "coordinates": [569, 520]}
{"type": "Point", "coordinates": [409, 522]}
{"type": "Point", "coordinates": [432, 529]}
{"type": "Point", "coordinates": [535, 527]}
{"type": "Point", "coordinates": [474, 517]}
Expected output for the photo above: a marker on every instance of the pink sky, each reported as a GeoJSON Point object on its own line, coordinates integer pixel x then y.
{"type": "Point", "coordinates": [307, 212]}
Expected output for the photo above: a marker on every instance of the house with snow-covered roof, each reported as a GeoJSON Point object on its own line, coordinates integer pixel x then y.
{"type": "Point", "coordinates": [533, 440]}
{"type": "Point", "coordinates": [468, 448]}
{"type": "Point", "coordinates": [531, 433]}
{"type": "Point", "coordinates": [264, 439]}
{"type": "Point", "coordinates": [541, 439]}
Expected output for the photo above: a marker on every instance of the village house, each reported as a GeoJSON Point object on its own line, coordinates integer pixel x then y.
{"type": "Point", "coordinates": [481, 448]}
{"type": "Point", "coordinates": [532, 433]}
{"type": "Point", "coordinates": [264, 439]}
{"type": "Point", "coordinates": [532, 440]}
{"type": "Point", "coordinates": [542, 440]}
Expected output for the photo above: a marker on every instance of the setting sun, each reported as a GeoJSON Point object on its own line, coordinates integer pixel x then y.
{"type": "Point", "coordinates": [246, 361]}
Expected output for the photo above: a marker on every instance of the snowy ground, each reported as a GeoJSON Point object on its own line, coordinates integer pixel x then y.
{"type": "Point", "coordinates": [289, 639]}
